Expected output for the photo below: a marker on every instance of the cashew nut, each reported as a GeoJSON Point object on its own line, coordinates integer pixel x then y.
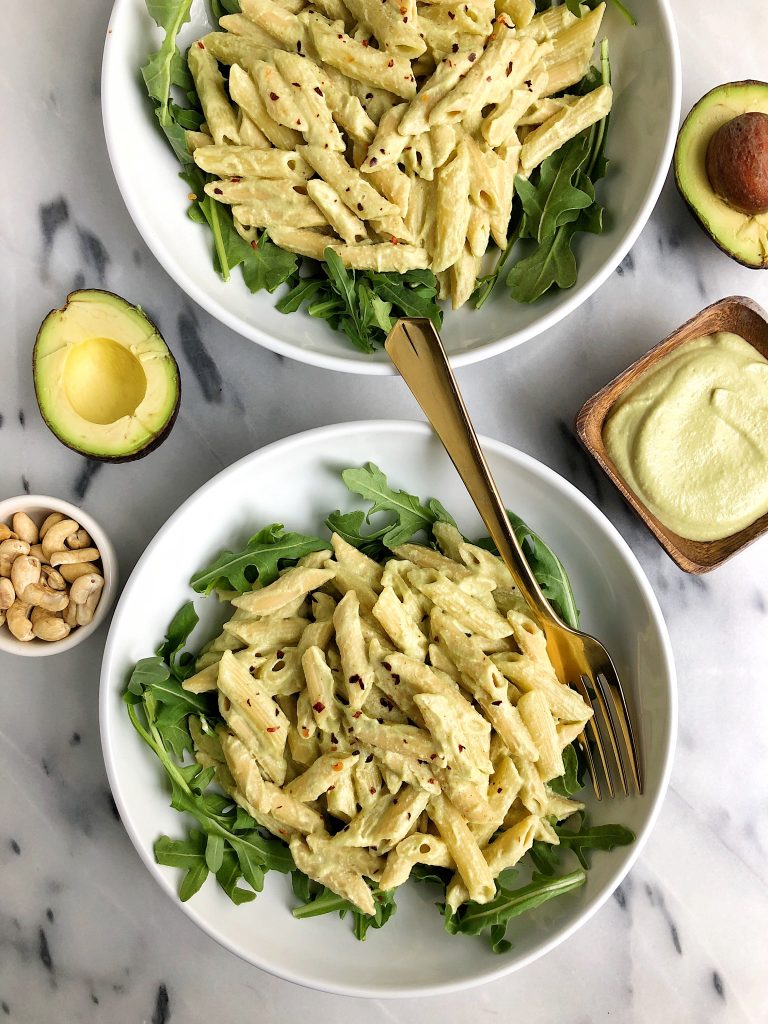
{"type": "Point", "coordinates": [6, 533]}
{"type": "Point", "coordinates": [81, 539]}
{"type": "Point", "coordinates": [84, 586]}
{"type": "Point", "coordinates": [70, 614]}
{"type": "Point", "coordinates": [53, 578]}
{"type": "Point", "coordinates": [38, 613]}
{"type": "Point", "coordinates": [49, 521]}
{"type": "Point", "coordinates": [7, 594]}
{"type": "Point", "coordinates": [85, 611]}
{"type": "Point", "coordinates": [25, 571]}
{"type": "Point", "coordinates": [61, 557]}
{"type": "Point", "coordinates": [24, 528]}
{"type": "Point", "coordinates": [6, 564]}
{"type": "Point", "coordinates": [2, 618]}
{"type": "Point", "coordinates": [51, 628]}
{"type": "Point", "coordinates": [56, 536]}
{"type": "Point", "coordinates": [13, 548]}
{"type": "Point", "coordinates": [36, 550]}
{"type": "Point", "coordinates": [77, 569]}
{"type": "Point", "coordinates": [51, 600]}
{"type": "Point", "coordinates": [18, 621]}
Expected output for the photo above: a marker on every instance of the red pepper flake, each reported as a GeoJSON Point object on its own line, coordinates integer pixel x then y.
{"type": "Point", "coordinates": [385, 703]}
{"type": "Point", "coordinates": [298, 47]}
{"type": "Point", "coordinates": [360, 207]}
{"type": "Point", "coordinates": [432, 757]}
{"type": "Point", "coordinates": [372, 790]}
{"type": "Point", "coordinates": [369, 759]}
{"type": "Point", "coordinates": [248, 701]}
{"type": "Point", "coordinates": [357, 714]}
{"type": "Point", "coordinates": [395, 676]}
{"type": "Point", "coordinates": [331, 788]}
{"type": "Point", "coordinates": [460, 748]}
{"type": "Point", "coordinates": [373, 161]}
{"type": "Point", "coordinates": [305, 733]}
{"type": "Point", "coordinates": [274, 97]}
{"type": "Point", "coordinates": [297, 85]}
{"type": "Point", "coordinates": [318, 90]}
{"type": "Point", "coordinates": [218, 192]}
{"type": "Point", "coordinates": [337, 767]}
{"type": "Point", "coordinates": [390, 63]}
{"type": "Point", "coordinates": [451, 15]}
{"type": "Point", "coordinates": [472, 57]}
{"type": "Point", "coordinates": [200, 45]}
{"type": "Point", "coordinates": [454, 49]}
{"type": "Point", "coordinates": [277, 712]}
{"type": "Point", "coordinates": [408, 815]}
{"type": "Point", "coordinates": [354, 679]}
{"type": "Point", "coordinates": [385, 664]}
{"type": "Point", "coordinates": [333, 739]}
{"type": "Point", "coordinates": [394, 801]}
{"type": "Point", "coordinates": [280, 654]}
{"type": "Point", "coordinates": [500, 789]}
{"type": "Point", "coordinates": [431, 782]}
{"type": "Point", "coordinates": [235, 181]}
{"type": "Point", "coordinates": [393, 240]}
{"type": "Point", "coordinates": [369, 95]}
{"type": "Point", "coordinates": [495, 703]}
{"type": "Point", "coordinates": [365, 42]}
{"type": "Point", "coordinates": [318, 707]}
{"type": "Point", "coordinates": [272, 728]}
{"type": "Point", "coordinates": [509, 68]}
{"type": "Point", "coordinates": [488, 78]}
{"type": "Point", "coordinates": [404, 740]}
{"type": "Point", "coordinates": [405, 19]}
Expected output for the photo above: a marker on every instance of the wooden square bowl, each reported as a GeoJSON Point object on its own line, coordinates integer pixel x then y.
{"type": "Point", "coordinates": [736, 314]}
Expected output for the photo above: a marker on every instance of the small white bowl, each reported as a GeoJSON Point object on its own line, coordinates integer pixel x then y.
{"type": "Point", "coordinates": [37, 507]}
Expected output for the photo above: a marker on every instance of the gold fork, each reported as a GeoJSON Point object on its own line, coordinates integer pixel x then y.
{"type": "Point", "coordinates": [578, 659]}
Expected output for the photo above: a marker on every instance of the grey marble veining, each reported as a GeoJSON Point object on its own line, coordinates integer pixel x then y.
{"type": "Point", "coordinates": [84, 933]}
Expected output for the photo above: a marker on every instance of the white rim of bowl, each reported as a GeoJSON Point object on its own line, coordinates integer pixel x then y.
{"type": "Point", "coordinates": [330, 432]}
{"type": "Point", "coordinates": [42, 648]}
{"type": "Point", "coordinates": [343, 363]}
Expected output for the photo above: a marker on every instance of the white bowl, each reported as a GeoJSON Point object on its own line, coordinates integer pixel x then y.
{"type": "Point", "coordinates": [644, 122]}
{"type": "Point", "coordinates": [296, 482]}
{"type": "Point", "coordinates": [37, 507]}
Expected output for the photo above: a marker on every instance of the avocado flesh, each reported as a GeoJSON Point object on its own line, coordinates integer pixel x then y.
{"type": "Point", "coordinates": [740, 235]}
{"type": "Point", "coordinates": [106, 382]}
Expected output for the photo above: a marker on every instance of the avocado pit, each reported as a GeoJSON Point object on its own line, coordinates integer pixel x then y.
{"type": "Point", "coordinates": [737, 162]}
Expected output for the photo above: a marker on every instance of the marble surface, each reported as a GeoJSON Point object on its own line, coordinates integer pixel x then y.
{"type": "Point", "coordinates": [85, 934]}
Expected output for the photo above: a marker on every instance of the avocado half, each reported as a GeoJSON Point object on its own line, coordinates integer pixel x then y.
{"type": "Point", "coordinates": [742, 236]}
{"type": "Point", "coordinates": [106, 382]}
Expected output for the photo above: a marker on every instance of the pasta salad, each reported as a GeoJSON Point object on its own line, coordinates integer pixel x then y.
{"type": "Point", "coordinates": [372, 154]}
{"type": "Point", "coordinates": [374, 709]}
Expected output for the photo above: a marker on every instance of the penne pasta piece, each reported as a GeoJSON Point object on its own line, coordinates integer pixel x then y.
{"type": "Point", "coordinates": [357, 193]}
{"type": "Point", "coordinates": [470, 863]}
{"type": "Point", "coordinates": [219, 115]}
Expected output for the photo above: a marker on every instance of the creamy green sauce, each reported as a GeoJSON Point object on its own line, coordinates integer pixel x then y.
{"type": "Point", "coordinates": [690, 437]}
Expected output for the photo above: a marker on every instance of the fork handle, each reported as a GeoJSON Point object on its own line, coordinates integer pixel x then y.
{"type": "Point", "coordinates": [416, 350]}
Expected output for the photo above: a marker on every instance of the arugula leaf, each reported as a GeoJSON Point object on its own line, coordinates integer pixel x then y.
{"type": "Point", "coordinates": [267, 266]}
{"type": "Point", "coordinates": [188, 854]}
{"type": "Point", "coordinates": [146, 672]}
{"type": "Point", "coordinates": [163, 67]}
{"type": "Point", "coordinates": [545, 857]}
{"type": "Point", "coordinates": [551, 264]}
{"type": "Point", "coordinates": [555, 200]}
{"type": "Point", "coordinates": [407, 516]}
{"type": "Point", "coordinates": [318, 900]}
{"type": "Point", "coordinates": [570, 782]}
{"type": "Point", "coordinates": [594, 837]}
{"type": "Point", "coordinates": [228, 875]}
{"type": "Point", "coordinates": [475, 918]}
{"type": "Point", "coordinates": [546, 567]}
{"type": "Point", "coordinates": [384, 901]}
{"type": "Point", "coordinates": [177, 634]}
{"type": "Point", "coordinates": [264, 554]}
{"type": "Point", "coordinates": [363, 304]}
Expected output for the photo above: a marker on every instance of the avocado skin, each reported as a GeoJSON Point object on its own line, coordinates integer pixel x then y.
{"type": "Point", "coordinates": [744, 83]}
{"type": "Point", "coordinates": [161, 435]}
